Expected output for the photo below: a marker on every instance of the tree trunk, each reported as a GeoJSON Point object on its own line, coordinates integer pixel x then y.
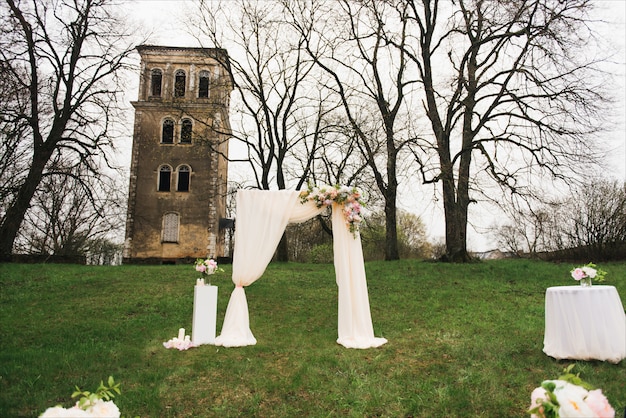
{"type": "Point", "coordinates": [455, 206]}
{"type": "Point", "coordinates": [391, 226]}
{"type": "Point", "coordinates": [282, 252]}
{"type": "Point", "coordinates": [456, 233]}
{"type": "Point", "coordinates": [16, 212]}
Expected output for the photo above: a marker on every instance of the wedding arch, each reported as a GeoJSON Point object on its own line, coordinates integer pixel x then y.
{"type": "Point", "coordinates": [262, 216]}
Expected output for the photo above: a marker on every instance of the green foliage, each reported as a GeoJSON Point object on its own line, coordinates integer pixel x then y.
{"type": "Point", "coordinates": [412, 241]}
{"type": "Point", "coordinates": [322, 253]}
{"type": "Point", "coordinates": [464, 340]}
{"type": "Point", "coordinates": [574, 379]}
{"type": "Point", "coordinates": [107, 392]}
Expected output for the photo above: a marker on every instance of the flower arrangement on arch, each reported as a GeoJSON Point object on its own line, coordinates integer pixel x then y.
{"type": "Point", "coordinates": [569, 397]}
{"type": "Point", "coordinates": [90, 404]}
{"type": "Point", "coordinates": [588, 272]}
{"type": "Point", "coordinates": [347, 196]}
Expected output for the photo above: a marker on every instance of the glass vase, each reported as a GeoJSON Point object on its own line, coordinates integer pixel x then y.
{"type": "Point", "coordinates": [586, 282]}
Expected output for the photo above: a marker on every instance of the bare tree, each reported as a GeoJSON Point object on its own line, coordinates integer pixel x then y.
{"type": "Point", "coordinates": [280, 116]}
{"type": "Point", "coordinates": [348, 40]}
{"type": "Point", "coordinates": [529, 231]}
{"type": "Point", "coordinates": [14, 100]}
{"type": "Point", "coordinates": [509, 92]}
{"type": "Point", "coordinates": [592, 221]}
{"type": "Point", "coordinates": [67, 55]}
{"type": "Point", "coordinates": [272, 113]}
{"type": "Point", "coordinates": [73, 214]}
{"type": "Point", "coordinates": [588, 224]}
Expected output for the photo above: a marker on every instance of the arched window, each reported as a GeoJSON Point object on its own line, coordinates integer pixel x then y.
{"type": "Point", "coordinates": [156, 80]}
{"type": "Point", "coordinates": [179, 84]}
{"type": "Point", "coordinates": [184, 173]}
{"type": "Point", "coordinates": [170, 227]}
{"type": "Point", "coordinates": [203, 84]}
{"type": "Point", "coordinates": [185, 131]}
{"type": "Point", "coordinates": [167, 135]}
{"type": "Point", "coordinates": [165, 176]}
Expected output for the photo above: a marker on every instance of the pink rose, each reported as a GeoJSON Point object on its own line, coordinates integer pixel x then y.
{"type": "Point", "coordinates": [536, 398]}
{"type": "Point", "coordinates": [201, 268]}
{"type": "Point", "coordinates": [599, 404]}
{"type": "Point", "coordinates": [578, 274]}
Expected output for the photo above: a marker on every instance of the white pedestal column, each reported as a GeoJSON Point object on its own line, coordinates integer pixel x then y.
{"type": "Point", "coordinates": [204, 315]}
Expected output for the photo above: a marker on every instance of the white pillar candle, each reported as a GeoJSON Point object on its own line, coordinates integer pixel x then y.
{"type": "Point", "coordinates": [181, 334]}
{"type": "Point", "coordinates": [201, 282]}
{"type": "Point", "coordinates": [187, 338]}
{"type": "Point", "coordinates": [198, 282]}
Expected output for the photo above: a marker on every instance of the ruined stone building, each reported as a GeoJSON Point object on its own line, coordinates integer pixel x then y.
{"type": "Point", "coordinates": [178, 172]}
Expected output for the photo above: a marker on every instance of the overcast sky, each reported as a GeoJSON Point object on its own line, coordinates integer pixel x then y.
{"type": "Point", "coordinates": [162, 17]}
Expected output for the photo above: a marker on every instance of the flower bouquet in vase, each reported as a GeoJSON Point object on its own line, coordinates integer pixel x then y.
{"type": "Point", "coordinates": [587, 273]}
{"type": "Point", "coordinates": [207, 267]}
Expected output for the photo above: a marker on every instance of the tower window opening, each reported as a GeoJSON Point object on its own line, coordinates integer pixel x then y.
{"type": "Point", "coordinates": [167, 136]}
{"type": "Point", "coordinates": [156, 81]}
{"type": "Point", "coordinates": [179, 83]}
{"type": "Point", "coordinates": [185, 131]}
{"type": "Point", "coordinates": [165, 175]}
{"type": "Point", "coordinates": [203, 84]}
{"type": "Point", "coordinates": [183, 178]}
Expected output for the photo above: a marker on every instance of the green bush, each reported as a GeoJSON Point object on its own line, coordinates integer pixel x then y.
{"type": "Point", "coordinates": [322, 253]}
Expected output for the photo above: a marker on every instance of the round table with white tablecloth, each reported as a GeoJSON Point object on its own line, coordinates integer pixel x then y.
{"type": "Point", "coordinates": [585, 323]}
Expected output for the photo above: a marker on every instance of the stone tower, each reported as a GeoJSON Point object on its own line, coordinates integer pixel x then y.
{"type": "Point", "coordinates": [179, 167]}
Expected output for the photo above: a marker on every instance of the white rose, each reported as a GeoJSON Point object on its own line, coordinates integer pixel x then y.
{"type": "Point", "coordinates": [591, 272]}
{"type": "Point", "coordinates": [54, 412]}
{"type": "Point", "coordinates": [571, 400]}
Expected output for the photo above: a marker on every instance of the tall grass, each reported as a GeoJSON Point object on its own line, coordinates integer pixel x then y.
{"type": "Point", "coordinates": [464, 340]}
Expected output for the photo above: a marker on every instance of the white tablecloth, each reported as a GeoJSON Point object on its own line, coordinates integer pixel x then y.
{"type": "Point", "coordinates": [585, 323]}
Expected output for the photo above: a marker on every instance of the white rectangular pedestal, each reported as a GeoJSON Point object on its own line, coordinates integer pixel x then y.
{"type": "Point", "coordinates": [204, 315]}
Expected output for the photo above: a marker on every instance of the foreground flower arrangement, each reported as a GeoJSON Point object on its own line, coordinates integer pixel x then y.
{"type": "Point", "coordinates": [585, 274]}
{"type": "Point", "coordinates": [96, 404]}
{"type": "Point", "coordinates": [569, 397]}
{"type": "Point", "coordinates": [342, 195]}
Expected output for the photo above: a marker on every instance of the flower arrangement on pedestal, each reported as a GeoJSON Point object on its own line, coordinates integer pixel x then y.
{"type": "Point", "coordinates": [569, 397]}
{"type": "Point", "coordinates": [585, 274]}
{"type": "Point", "coordinates": [90, 404]}
{"type": "Point", "coordinates": [342, 195]}
{"type": "Point", "coordinates": [207, 268]}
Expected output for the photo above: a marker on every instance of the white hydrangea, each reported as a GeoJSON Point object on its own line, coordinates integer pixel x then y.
{"type": "Point", "coordinates": [60, 412]}
{"type": "Point", "coordinates": [104, 409]}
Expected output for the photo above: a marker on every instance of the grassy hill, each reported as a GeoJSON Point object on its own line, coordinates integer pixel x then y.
{"type": "Point", "coordinates": [464, 340]}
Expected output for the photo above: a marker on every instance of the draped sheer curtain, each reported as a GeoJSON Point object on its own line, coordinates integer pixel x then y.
{"type": "Point", "coordinates": [262, 217]}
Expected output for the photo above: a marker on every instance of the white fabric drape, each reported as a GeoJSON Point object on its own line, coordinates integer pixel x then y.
{"type": "Point", "coordinates": [354, 319]}
{"type": "Point", "coordinates": [262, 217]}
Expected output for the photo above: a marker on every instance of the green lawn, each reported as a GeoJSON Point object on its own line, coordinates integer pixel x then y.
{"type": "Point", "coordinates": [464, 341]}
